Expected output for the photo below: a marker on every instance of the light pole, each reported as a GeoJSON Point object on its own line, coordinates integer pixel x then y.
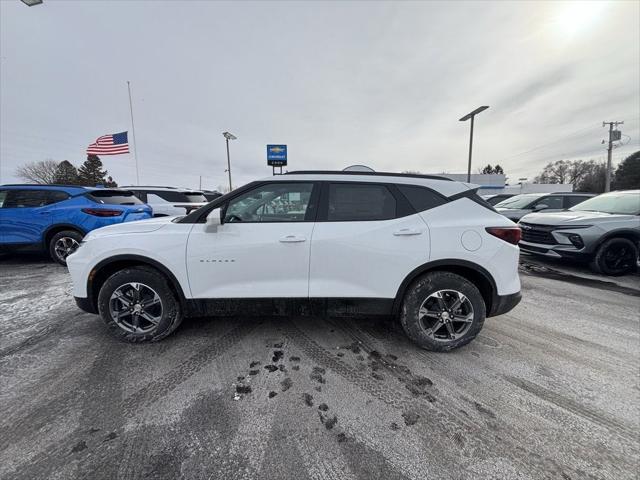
{"type": "Point", "coordinates": [471, 116]}
{"type": "Point", "coordinates": [229, 136]}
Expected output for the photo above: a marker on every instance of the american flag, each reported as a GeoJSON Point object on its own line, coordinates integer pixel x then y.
{"type": "Point", "coordinates": [115, 144]}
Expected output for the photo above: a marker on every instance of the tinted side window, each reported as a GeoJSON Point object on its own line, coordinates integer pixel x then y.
{"type": "Point", "coordinates": [55, 196]}
{"type": "Point", "coordinates": [421, 198]}
{"type": "Point", "coordinates": [358, 202]}
{"type": "Point", "coordinates": [25, 198]}
{"type": "Point", "coordinates": [171, 196]}
{"type": "Point", "coordinates": [3, 195]}
{"type": "Point", "coordinates": [553, 201]}
{"type": "Point", "coordinates": [574, 200]}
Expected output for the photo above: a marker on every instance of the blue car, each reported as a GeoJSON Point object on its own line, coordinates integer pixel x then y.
{"type": "Point", "coordinates": [54, 218]}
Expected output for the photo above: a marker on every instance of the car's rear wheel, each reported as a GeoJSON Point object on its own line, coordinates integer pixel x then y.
{"type": "Point", "coordinates": [63, 244]}
{"type": "Point", "coordinates": [442, 311]}
{"type": "Point", "coordinates": [616, 256]}
{"type": "Point", "coordinates": [138, 305]}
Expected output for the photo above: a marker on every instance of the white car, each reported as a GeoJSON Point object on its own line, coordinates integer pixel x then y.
{"type": "Point", "coordinates": [425, 249]}
{"type": "Point", "coordinates": [169, 201]}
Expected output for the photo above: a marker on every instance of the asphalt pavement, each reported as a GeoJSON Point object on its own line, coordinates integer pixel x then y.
{"type": "Point", "coordinates": [549, 390]}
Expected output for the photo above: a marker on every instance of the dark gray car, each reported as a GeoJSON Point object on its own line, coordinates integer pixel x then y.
{"type": "Point", "coordinates": [604, 230]}
{"type": "Point", "coordinates": [515, 208]}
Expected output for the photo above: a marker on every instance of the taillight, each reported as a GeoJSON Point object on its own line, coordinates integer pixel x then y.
{"type": "Point", "coordinates": [102, 212]}
{"type": "Point", "coordinates": [508, 234]}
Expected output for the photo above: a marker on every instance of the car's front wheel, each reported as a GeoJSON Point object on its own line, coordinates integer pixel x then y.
{"type": "Point", "coordinates": [138, 305]}
{"type": "Point", "coordinates": [63, 244]}
{"type": "Point", "coordinates": [442, 311]}
{"type": "Point", "coordinates": [616, 256]}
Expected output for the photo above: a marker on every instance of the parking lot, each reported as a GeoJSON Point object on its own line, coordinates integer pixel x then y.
{"type": "Point", "coordinates": [549, 390]}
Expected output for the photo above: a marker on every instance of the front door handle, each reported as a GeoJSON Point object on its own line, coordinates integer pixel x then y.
{"type": "Point", "coordinates": [406, 231]}
{"type": "Point", "coordinates": [292, 239]}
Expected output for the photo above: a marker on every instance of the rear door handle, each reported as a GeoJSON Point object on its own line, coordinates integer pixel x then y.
{"type": "Point", "coordinates": [292, 239]}
{"type": "Point", "coordinates": [406, 231]}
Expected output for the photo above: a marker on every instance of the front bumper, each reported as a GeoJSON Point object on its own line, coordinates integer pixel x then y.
{"type": "Point", "coordinates": [552, 251]}
{"type": "Point", "coordinates": [504, 303]}
{"type": "Point", "coordinates": [86, 304]}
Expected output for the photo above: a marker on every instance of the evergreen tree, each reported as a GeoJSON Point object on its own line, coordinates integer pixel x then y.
{"type": "Point", "coordinates": [487, 170]}
{"type": "Point", "coordinates": [498, 169]}
{"type": "Point", "coordinates": [90, 172]}
{"type": "Point", "coordinates": [628, 173]}
{"type": "Point", "coordinates": [66, 173]}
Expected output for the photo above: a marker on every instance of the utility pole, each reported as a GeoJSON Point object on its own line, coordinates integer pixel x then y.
{"type": "Point", "coordinates": [612, 125]}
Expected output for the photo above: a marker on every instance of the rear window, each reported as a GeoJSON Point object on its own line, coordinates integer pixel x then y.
{"type": "Point", "coordinates": [354, 202]}
{"type": "Point", "coordinates": [196, 197]}
{"type": "Point", "coordinates": [113, 197]}
{"type": "Point", "coordinates": [421, 198]}
{"type": "Point", "coordinates": [171, 196]}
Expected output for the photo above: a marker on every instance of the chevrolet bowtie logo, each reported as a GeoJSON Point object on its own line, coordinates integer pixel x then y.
{"type": "Point", "coordinates": [277, 149]}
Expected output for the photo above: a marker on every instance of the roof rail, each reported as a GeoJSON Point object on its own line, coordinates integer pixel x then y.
{"type": "Point", "coordinates": [150, 186]}
{"type": "Point", "coordinates": [380, 174]}
{"type": "Point", "coordinates": [40, 185]}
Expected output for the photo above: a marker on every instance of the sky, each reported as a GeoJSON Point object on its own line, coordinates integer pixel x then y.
{"type": "Point", "coordinates": [375, 83]}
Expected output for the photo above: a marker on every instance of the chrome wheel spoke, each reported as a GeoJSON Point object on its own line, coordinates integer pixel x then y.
{"type": "Point", "coordinates": [446, 315]}
{"type": "Point", "coordinates": [136, 307]}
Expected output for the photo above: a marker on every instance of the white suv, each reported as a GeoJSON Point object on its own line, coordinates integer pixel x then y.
{"type": "Point", "coordinates": [425, 249]}
{"type": "Point", "coordinates": [169, 201]}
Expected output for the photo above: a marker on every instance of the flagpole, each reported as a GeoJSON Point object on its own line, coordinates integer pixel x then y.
{"type": "Point", "coordinates": [133, 129]}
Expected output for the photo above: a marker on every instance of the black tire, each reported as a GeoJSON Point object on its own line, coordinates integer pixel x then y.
{"type": "Point", "coordinates": [170, 315]}
{"type": "Point", "coordinates": [423, 291]}
{"type": "Point", "coordinates": [63, 244]}
{"type": "Point", "coordinates": [615, 257]}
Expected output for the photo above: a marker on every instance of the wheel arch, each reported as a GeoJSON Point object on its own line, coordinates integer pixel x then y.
{"type": "Point", "coordinates": [627, 233]}
{"type": "Point", "coordinates": [59, 227]}
{"type": "Point", "coordinates": [109, 266]}
{"type": "Point", "coordinates": [473, 272]}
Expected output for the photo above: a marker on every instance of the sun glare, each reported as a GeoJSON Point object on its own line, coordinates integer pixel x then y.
{"type": "Point", "coordinates": [574, 17]}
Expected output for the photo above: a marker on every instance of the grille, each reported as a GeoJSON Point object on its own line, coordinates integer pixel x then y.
{"type": "Point", "coordinates": [537, 233]}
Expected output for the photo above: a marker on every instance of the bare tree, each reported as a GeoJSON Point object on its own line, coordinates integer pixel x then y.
{"type": "Point", "coordinates": [43, 171]}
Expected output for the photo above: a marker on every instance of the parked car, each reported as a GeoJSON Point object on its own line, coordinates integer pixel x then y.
{"type": "Point", "coordinates": [604, 230]}
{"type": "Point", "coordinates": [426, 249]}
{"type": "Point", "coordinates": [497, 198]}
{"type": "Point", "coordinates": [169, 201]}
{"type": "Point", "coordinates": [55, 218]}
{"type": "Point", "coordinates": [516, 207]}
{"type": "Point", "coordinates": [211, 194]}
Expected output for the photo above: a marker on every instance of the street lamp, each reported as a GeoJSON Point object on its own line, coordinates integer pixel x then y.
{"type": "Point", "coordinates": [471, 116]}
{"type": "Point", "coordinates": [229, 136]}
{"type": "Point", "coordinates": [31, 3]}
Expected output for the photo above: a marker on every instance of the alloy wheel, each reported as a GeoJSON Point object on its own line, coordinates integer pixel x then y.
{"type": "Point", "coordinates": [65, 246]}
{"type": "Point", "coordinates": [135, 307]}
{"type": "Point", "coordinates": [446, 315]}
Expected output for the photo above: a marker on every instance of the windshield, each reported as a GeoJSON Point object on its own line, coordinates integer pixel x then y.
{"type": "Point", "coordinates": [615, 203]}
{"type": "Point", "coordinates": [519, 201]}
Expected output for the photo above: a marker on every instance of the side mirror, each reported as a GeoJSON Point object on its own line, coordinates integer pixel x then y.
{"type": "Point", "coordinates": [215, 217]}
{"type": "Point", "coordinates": [540, 206]}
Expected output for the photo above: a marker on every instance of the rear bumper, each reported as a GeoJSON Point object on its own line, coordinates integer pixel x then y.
{"type": "Point", "coordinates": [504, 303]}
{"type": "Point", "coordinates": [86, 304]}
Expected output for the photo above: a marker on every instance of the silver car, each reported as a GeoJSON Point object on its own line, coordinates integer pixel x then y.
{"type": "Point", "coordinates": [604, 230]}
{"type": "Point", "coordinates": [515, 208]}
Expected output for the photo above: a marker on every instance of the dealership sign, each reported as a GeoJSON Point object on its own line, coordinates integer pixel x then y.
{"type": "Point", "coordinates": [277, 155]}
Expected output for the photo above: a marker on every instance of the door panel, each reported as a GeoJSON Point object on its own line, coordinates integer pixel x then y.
{"type": "Point", "coordinates": [252, 260]}
{"type": "Point", "coordinates": [262, 248]}
{"type": "Point", "coordinates": [25, 216]}
{"type": "Point", "coordinates": [366, 259]}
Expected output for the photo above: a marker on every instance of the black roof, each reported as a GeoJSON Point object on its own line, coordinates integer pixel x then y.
{"type": "Point", "coordinates": [381, 174]}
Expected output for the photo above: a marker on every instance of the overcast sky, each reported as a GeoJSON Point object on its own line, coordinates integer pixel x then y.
{"type": "Point", "coordinates": [375, 83]}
